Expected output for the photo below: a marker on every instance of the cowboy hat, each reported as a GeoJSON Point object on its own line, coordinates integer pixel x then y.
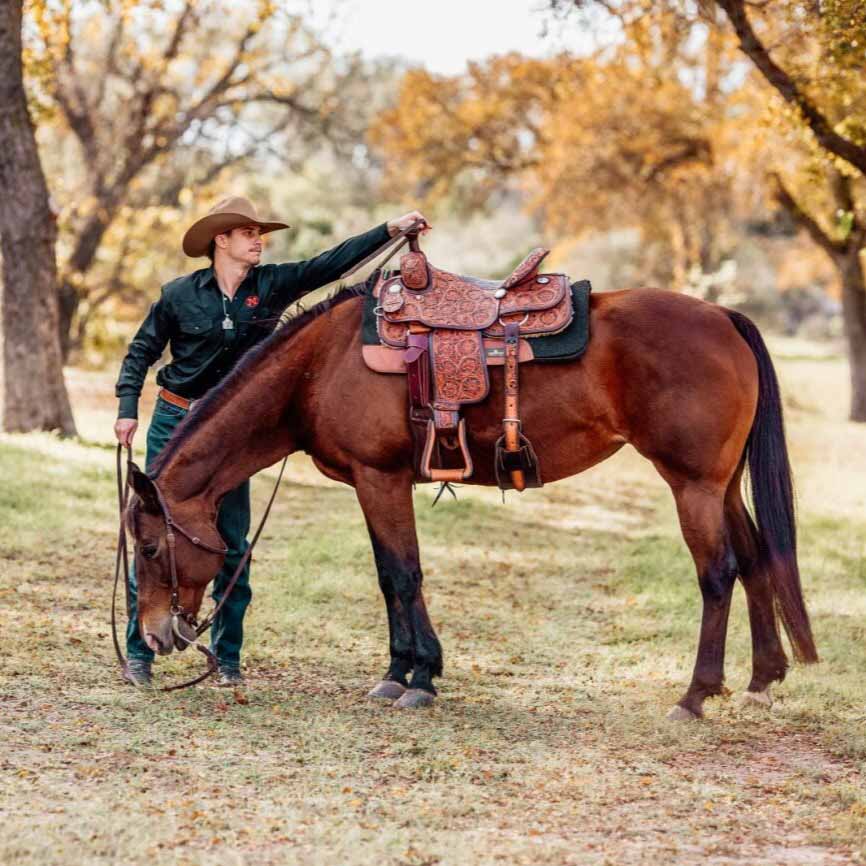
{"type": "Point", "coordinates": [230, 213]}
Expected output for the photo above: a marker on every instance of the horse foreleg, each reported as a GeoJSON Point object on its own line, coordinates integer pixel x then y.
{"type": "Point", "coordinates": [394, 683]}
{"type": "Point", "coordinates": [701, 513]}
{"type": "Point", "coordinates": [386, 500]}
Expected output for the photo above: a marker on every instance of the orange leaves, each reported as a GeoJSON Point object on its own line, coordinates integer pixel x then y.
{"type": "Point", "coordinates": [611, 134]}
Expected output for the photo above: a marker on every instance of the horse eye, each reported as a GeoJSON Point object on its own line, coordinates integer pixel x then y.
{"type": "Point", "coordinates": [148, 551]}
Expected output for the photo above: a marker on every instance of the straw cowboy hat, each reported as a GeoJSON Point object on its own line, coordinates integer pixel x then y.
{"type": "Point", "coordinates": [230, 213]}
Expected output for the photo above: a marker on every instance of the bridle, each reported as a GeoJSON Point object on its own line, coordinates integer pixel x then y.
{"type": "Point", "coordinates": [176, 610]}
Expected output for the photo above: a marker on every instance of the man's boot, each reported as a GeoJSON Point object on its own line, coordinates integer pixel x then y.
{"type": "Point", "coordinates": [229, 676]}
{"type": "Point", "coordinates": [137, 672]}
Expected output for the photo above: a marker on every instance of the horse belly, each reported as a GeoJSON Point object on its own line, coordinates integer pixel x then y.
{"type": "Point", "coordinates": [564, 412]}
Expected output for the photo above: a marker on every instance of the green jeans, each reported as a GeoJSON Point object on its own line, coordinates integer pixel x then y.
{"type": "Point", "coordinates": [233, 523]}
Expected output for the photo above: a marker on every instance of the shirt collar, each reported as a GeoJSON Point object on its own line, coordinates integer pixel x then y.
{"type": "Point", "coordinates": [207, 275]}
{"type": "Point", "coordinates": [204, 276]}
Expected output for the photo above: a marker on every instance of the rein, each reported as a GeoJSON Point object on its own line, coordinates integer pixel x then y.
{"type": "Point", "coordinates": [176, 610]}
{"type": "Point", "coordinates": [391, 242]}
{"type": "Point", "coordinates": [403, 237]}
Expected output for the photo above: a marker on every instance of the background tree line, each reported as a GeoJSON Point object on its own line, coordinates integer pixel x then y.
{"type": "Point", "coordinates": [689, 128]}
{"type": "Point", "coordinates": [699, 124]}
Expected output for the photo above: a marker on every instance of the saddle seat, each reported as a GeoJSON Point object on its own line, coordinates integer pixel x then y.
{"type": "Point", "coordinates": [451, 326]}
{"type": "Point", "coordinates": [436, 298]}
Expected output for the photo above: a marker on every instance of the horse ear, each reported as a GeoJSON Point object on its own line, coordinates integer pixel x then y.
{"type": "Point", "coordinates": [142, 484]}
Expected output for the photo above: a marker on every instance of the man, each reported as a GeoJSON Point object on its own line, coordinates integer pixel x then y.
{"type": "Point", "coordinates": [210, 318]}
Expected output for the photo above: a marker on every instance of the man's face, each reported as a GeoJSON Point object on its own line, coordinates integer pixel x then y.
{"type": "Point", "coordinates": [243, 244]}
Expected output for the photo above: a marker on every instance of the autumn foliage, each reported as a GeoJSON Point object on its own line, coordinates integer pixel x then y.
{"type": "Point", "coordinates": [699, 121]}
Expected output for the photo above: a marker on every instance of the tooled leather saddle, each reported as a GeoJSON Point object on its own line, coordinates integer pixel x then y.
{"type": "Point", "coordinates": [450, 328]}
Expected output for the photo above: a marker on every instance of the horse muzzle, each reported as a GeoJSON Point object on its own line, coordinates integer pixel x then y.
{"type": "Point", "coordinates": [161, 643]}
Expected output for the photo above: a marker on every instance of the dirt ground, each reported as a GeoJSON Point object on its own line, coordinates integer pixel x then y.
{"type": "Point", "coordinates": [568, 618]}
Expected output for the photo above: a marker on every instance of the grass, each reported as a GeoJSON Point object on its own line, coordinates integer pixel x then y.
{"type": "Point", "coordinates": [568, 632]}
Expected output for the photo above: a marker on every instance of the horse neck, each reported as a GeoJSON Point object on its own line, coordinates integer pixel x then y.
{"type": "Point", "coordinates": [246, 430]}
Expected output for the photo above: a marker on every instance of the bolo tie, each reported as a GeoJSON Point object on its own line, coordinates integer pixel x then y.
{"type": "Point", "coordinates": [228, 324]}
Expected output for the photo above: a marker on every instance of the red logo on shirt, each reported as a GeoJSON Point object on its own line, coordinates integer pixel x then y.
{"type": "Point", "coordinates": [252, 301]}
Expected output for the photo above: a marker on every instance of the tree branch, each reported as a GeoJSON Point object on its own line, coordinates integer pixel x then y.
{"type": "Point", "coordinates": [80, 122]}
{"type": "Point", "coordinates": [690, 150]}
{"type": "Point", "coordinates": [805, 220]}
{"type": "Point", "coordinates": [841, 186]}
{"type": "Point", "coordinates": [110, 67]}
{"type": "Point", "coordinates": [177, 36]}
{"type": "Point", "coordinates": [787, 88]}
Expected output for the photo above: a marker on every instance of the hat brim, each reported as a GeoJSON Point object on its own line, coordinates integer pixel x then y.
{"type": "Point", "coordinates": [199, 235]}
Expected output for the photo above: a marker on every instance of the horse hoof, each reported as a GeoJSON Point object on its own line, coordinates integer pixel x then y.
{"type": "Point", "coordinates": [387, 690]}
{"type": "Point", "coordinates": [681, 714]}
{"type": "Point", "coordinates": [761, 699]}
{"type": "Point", "coordinates": [413, 698]}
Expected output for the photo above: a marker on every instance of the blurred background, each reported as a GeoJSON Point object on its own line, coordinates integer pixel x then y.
{"type": "Point", "coordinates": [636, 139]}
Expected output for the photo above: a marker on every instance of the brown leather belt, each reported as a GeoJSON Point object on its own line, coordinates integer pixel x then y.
{"type": "Point", "coordinates": [174, 399]}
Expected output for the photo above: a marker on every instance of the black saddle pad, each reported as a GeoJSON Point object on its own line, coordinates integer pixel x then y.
{"type": "Point", "coordinates": [567, 345]}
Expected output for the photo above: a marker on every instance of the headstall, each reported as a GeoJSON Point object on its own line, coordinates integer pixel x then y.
{"type": "Point", "coordinates": [176, 609]}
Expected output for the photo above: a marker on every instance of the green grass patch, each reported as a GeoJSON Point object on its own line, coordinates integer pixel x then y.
{"type": "Point", "coordinates": [569, 620]}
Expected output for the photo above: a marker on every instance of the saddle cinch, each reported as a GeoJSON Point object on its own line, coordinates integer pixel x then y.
{"type": "Point", "coordinates": [443, 330]}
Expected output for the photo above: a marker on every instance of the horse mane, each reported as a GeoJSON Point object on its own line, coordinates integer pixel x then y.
{"type": "Point", "coordinates": [218, 396]}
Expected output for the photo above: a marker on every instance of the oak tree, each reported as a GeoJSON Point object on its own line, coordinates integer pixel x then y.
{"type": "Point", "coordinates": [591, 144]}
{"type": "Point", "coordinates": [147, 102]}
{"type": "Point", "coordinates": [32, 391]}
{"type": "Point", "coordinates": [810, 57]}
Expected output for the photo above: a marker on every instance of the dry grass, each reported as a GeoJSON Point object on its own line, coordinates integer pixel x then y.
{"type": "Point", "coordinates": [567, 634]}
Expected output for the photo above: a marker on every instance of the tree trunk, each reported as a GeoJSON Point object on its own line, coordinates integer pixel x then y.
{"type": "Point", "coordinates": [82, 258]}
{"type": "Point", "coordinates": [850, 268]}
{"type": "Point", "coordinates": [33, 395]}
{"type": "Point", "coordinates": [68, 302]}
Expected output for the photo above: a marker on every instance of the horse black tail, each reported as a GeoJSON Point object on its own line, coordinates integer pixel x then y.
{"type": "Point", "coordinates": [773, 497]}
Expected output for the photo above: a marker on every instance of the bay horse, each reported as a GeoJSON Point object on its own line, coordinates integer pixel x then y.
{"type": "Point", "coordinates": [689, 384]}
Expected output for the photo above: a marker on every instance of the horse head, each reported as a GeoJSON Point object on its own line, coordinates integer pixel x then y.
{"type": "Point", "coordinates": [178, 551]}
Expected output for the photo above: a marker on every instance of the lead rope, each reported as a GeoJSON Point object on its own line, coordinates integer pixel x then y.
{"type": "Point", "coordinates": [122, 559]}
{"type": "Point", "coordinates": [122, 556]}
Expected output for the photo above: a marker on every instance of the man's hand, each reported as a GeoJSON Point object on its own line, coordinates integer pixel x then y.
{"type": "Point", "coordinates": [399, 224]}
{"type": "Point", "coordinates": [124, 430]}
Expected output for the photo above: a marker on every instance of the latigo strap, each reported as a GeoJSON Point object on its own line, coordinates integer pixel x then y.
{"type": "Point", "coordinates": [516, 462]}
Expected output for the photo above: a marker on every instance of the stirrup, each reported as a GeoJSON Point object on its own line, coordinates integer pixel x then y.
{"type": "Point", "coordinates": [436, 474]}
{"type": "Point", "coordinates": [524, 460]}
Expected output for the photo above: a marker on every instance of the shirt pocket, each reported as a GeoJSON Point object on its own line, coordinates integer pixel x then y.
{"type": "Point", "coordinates": [197, 337]}
{"type": "Point", "coordinates": [198, 326]}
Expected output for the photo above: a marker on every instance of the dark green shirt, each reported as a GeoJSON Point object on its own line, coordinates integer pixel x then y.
{"type": "Point", "coordinates": [190, 314]}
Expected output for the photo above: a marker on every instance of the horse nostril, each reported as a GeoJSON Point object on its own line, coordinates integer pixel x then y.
{"type": "Point", "coordinates": [156, 644]}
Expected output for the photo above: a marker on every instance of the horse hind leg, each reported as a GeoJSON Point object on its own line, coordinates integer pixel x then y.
{"type": "Point", "coordinates": [769, 662]}
{"type": "Point", "coordinates": [702, 519]}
